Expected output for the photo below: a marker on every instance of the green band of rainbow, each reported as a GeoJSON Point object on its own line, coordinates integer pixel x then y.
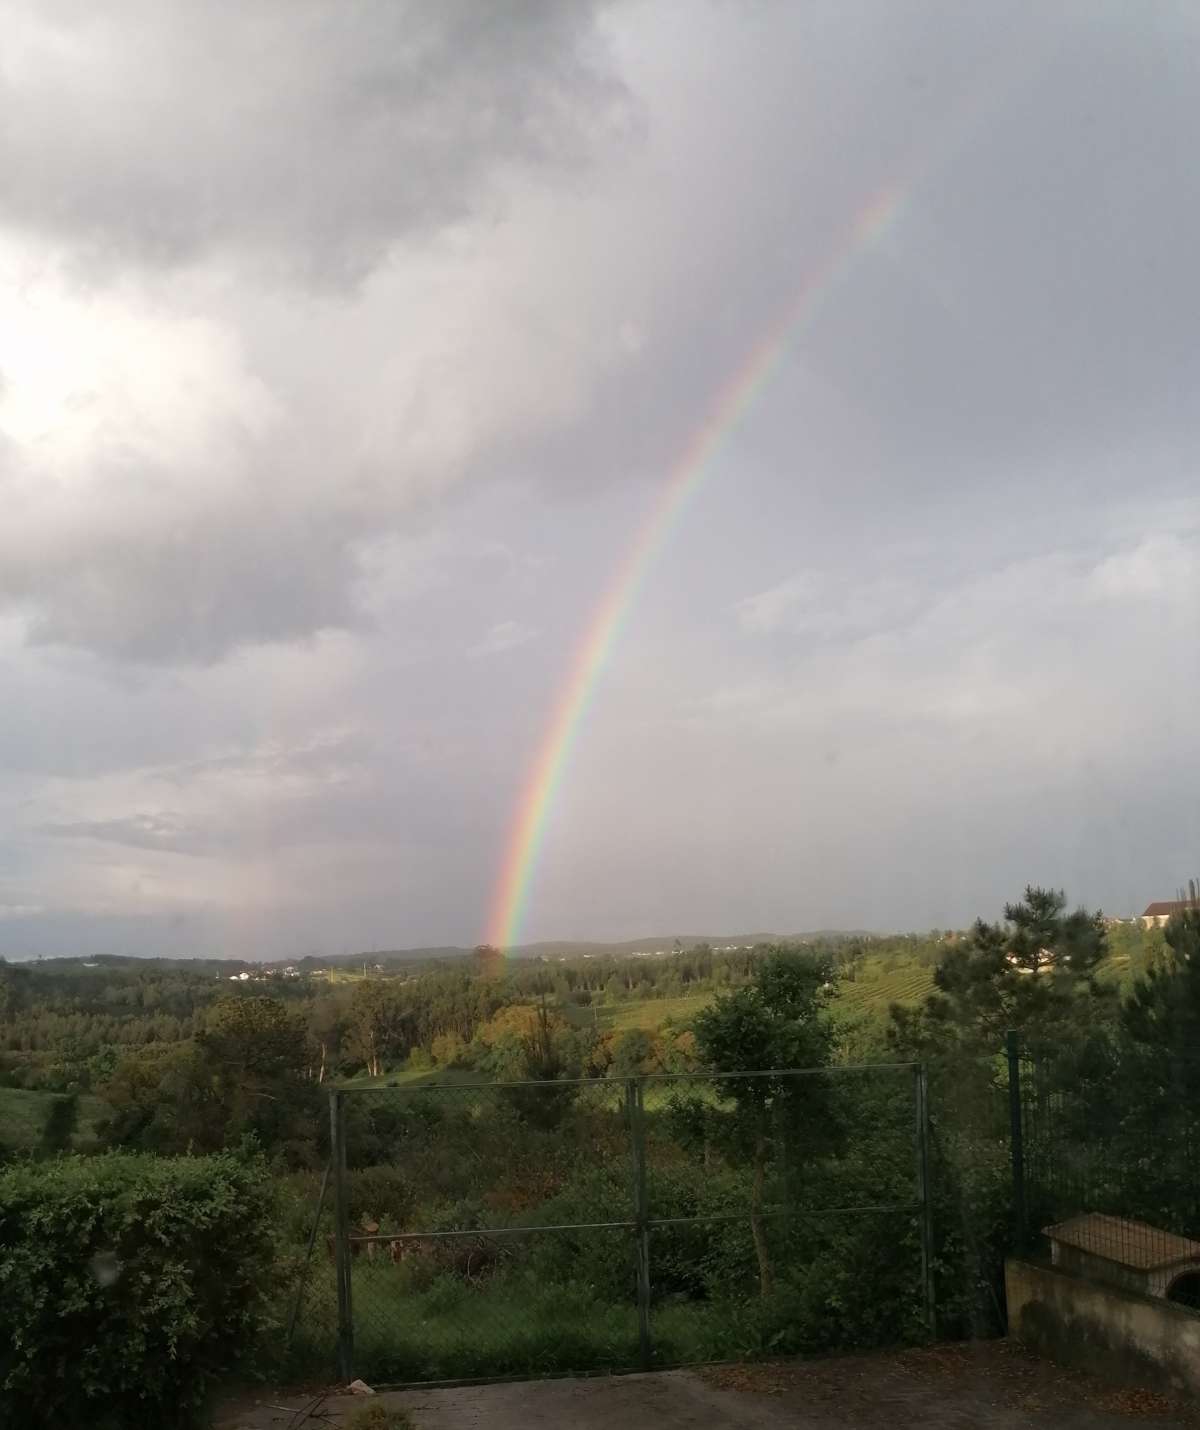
{"type": "Point", "coordinates": [688, 472]}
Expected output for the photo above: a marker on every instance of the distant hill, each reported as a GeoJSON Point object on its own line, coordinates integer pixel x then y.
{"type": "Point", "coordinates": [548, 948]}
{"type": "Point", "coordinates": [580, 948]}
{"type": "Point", "coordinates": [652, 942]}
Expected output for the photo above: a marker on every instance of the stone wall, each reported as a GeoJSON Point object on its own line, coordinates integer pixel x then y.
{"type": "Point", "coordinates": [1119, 1334]}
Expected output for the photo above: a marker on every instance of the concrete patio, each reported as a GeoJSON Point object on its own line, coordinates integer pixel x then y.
{"type": "Point", "coordinates": [993, 1385]}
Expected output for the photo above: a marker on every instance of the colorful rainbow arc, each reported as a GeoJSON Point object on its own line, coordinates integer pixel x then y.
{"type": "Point", "coordinates": [688, 472]}
{"type": "Point", "coordinates": [985, 96]}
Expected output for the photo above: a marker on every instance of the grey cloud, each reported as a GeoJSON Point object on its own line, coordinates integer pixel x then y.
{"type": "Point", "coordinates": [214, 504]}
{"type": "Point", "coordinates": [162, 831]}
{"type": "Point", "coordinates": [326, 755]}
{"type": "Point", "coordinates": [248, 574]}
{"type": "Point", "coordinates": [313, 137]}
{"type": "Point", "coordinates": [838, 608]}
{"type": "Point", "coordinates": [954, 356]}
{"type": "Point", "coordinates": [504, 635]}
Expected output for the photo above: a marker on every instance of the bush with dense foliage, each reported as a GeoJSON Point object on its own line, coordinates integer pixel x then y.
{"type": "Point", "coordinates": [128, 1285]}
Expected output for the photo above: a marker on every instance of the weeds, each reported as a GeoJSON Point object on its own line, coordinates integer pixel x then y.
{"type": "Point", "coordinates": [379, 1417]}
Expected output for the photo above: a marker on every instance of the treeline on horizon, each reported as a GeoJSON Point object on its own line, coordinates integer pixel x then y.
{"type": "Point", "coordinates": [58, 1016]}
{"type": "Point", "coordinates": [65, 1025]}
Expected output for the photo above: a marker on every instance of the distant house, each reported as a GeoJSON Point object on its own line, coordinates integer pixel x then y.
{"type": "Point", "coordinates": [1156, 915]}
{"type": "Point", "coordinates": [1045, 960]}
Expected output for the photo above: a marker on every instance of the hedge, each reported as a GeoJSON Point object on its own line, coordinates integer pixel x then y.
{"type": "Point", "coordinates": [128, 1285]}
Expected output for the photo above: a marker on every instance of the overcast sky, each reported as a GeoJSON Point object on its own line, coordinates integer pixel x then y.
{"type": "Point", "coordinates": [345, 348]}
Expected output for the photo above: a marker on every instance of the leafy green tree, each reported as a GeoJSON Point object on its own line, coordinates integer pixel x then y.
{"type": "Point", "coordinates": [488, 960]}
{"type": "Point", "coordinates": [777, 1023]}
{"type": "Point", "coordinates": [381, 1024]}
{"type": "Point", "coordinates": [1154, 1092]}
{"type": "Point", "coordinates": [254, 1059]}
{"type": "Point", "coordinates": [161, 1101]}
{"type": "Point", "coordinates": [243, 1074]}
{"type": "Point", "coordinates": [328, 1024]}
{"type": "Point", "coordinates": [545, 1058]}
{"type": "Point", "coordinates": [1036, 972]}
{"type": "Point", "coordinates": [61, 1122]}
{"type": "Point", "coordinates": [633, 1053]}
{"type": "Point", "coordinates": [14, 990]}
{"type": "Point", "coordinates": [1161, 1017]}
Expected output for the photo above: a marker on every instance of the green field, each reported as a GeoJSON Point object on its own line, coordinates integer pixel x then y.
{"type": "Point", "coordinates": [646, 1013]}
{"type": "Point", "coordinates": [879, 983]}
{"type": "Point", "coordinates": [23, 1117]}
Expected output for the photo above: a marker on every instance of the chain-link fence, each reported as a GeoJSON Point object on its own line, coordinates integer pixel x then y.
{"type": "Point", "coordinates": [490, 1230]}
{"type": "Point", "coordinates": [1106, 1164]}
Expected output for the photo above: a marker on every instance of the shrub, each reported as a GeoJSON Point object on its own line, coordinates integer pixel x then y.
{"type": "Point", "coordinates": [61, 1122]}
{"type": "Point", "coordinates": [128, 1284]}
{"type": "Point", "coordinates": [383, 1193]}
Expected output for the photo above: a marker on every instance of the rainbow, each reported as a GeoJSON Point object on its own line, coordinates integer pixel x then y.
{"type": "Point", "coordinates": [983, 98]}
{"type": "Point", "coordinates": [688, 472]}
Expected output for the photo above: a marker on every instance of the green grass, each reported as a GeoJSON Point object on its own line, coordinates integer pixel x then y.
{"type": "Point", "coordinates": [23, 1117]}
{"type": "Point", "coordinates": [509, 1325]}
{"type": "Point", "coordinates": [518, 1323]}
{"type": "Point", "coordinates": [879, 983]}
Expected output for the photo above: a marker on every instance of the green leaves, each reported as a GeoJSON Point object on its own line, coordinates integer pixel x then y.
{"type": "Point", "coordinates": [1035, 972]}
{"type": "Point", "coordinates": [127, 1284]}
{"type": "Point", "coordinates": [778, 1021]}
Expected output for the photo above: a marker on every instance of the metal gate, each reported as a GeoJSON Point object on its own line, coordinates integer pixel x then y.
{"type": "Point", "coordinates": [491, 1230]}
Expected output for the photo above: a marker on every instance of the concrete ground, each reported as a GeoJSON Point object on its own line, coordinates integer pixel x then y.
{"type": "Point", "coordinates": [990, 1385]}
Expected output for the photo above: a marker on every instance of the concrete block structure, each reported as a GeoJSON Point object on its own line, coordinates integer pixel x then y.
{"type": "Point", "coordinates": [1119, 1252]}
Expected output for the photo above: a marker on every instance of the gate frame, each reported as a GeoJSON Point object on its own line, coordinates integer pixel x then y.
{"type": "Point", "coordinates": [641, 1223]}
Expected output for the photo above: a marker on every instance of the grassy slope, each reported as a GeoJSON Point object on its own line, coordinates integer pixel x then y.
{"type": "Point", "coordinates": [882, 982]}
{"type": "Point", "coordinates": [647, 1013]}
{"type": "Point", "coordinates": [23, 1116]}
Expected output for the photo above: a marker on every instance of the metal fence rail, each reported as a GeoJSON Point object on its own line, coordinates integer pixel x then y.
{"type": "Point", "coordinates": [606, 1224]}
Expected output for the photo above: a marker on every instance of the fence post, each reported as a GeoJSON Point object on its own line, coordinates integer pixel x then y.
{"type": "Point", "coordinates": [312, 1241]}
{"type": "Point", "coordinates": [341, 1234]}
{"type": "Point", "coordinates": [921, 1099]}
{"type": "Point", "coordinates": [1012, 1048]}
{"type": "Point", "coordinates": [637, 1141]}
